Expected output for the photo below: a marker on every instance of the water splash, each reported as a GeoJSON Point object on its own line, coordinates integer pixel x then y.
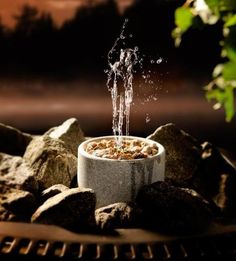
{"type": "Point", "coordinates": [120, 85]}
{"type": "Point", "coordinates": [148, 118]}
{"type": "Point", "coordinates": [123, 63]}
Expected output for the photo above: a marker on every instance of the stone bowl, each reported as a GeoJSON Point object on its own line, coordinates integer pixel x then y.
{"type": "Point", "coordinates": [118, 180]}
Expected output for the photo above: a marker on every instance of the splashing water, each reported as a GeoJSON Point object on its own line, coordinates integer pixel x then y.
{"type": "Point", "coordinates": [120, 84]}
{"type": "Point", "coordinates": [122, 61]}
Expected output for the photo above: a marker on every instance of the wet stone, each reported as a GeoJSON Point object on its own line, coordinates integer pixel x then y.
{"type": "Point", "coordinates": [183, 153]}
{"type": "Point", "coordinates": [52, 162]}
{"type": "Point", "coordinates": [15, 172]}
{"type": "Point", "coordinates": [69, 132]}
{"type": "Point", "coordinates": [216, 179]}
{"type": "Point", "coordinates": [174, 210]}
{"type": "Point", "coordinates": [16, 205]}
{"type": "Point", "coordinates": [72, 209]}
{"type": "Point", "coordinates": [117, 215]}
{"type": "Point", "coordinates": [13, 141]}
{"type": "Point", "coordinates": [52, 191]}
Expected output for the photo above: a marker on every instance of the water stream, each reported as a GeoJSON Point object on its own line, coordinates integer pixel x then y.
{"type": "Point", "coordinates": [120, 85]}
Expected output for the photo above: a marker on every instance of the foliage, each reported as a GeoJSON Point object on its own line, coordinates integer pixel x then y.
{"type": "Point", "coordinates": [209, 12]}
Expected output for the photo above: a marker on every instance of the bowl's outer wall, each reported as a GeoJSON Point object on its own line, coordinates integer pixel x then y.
{"type": "Point", "coordinates": [117, 180]}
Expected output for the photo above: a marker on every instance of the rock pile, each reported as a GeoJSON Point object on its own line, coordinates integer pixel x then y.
{"type": "Point", "coordinates": [38, 173]}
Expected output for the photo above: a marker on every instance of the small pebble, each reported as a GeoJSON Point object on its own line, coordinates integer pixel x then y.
{"type": "Point", "coordinates": [128, 149]}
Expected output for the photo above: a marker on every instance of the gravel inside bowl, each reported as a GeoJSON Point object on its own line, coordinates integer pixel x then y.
{"type": "Point", "coordinates": [128, 150]}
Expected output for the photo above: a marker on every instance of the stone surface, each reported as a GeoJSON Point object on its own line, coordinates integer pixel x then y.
{"type": "Point", "coordinates": [183, 153]}
{"type": "Point", "coordinates": [118, 215]}
{"type": "Point", "coordinates": [52, 191]}
{"type": "Point", "coordinates": [52, 162]}
{"type": "Point", "coordinates": [70, 133]}
{"type": "Point", "coordinates": [16, 173]}
{"type": "Point", "coordinates": [6, 215]}
{"type": "Point", "coordinates": [216, 179]}
{"type": "Point", "coordinates": [13, 141]}
{"type": "Point", "coordinates": [171, 209]}
{"type": "Point", "coordinates": [71, 209]}
{"type": "Point", "coordinates": [16, 205]}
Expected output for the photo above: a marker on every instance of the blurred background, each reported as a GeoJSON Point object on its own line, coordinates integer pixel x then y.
{"type": "Point", "coordinates": [53, 54]}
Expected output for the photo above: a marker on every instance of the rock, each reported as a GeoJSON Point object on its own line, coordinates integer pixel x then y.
{"type": "Point", "coordinates": [52, 162]}
{"type": "Point", "coordinates": [17, 205]}
{"type": "Point", "coordinates": [16, 173]}
{"type": "Point", "coordinates": [72, 209]}
{"type": "Point", "coordinates": [6, 215]}
{"type": "Point", "coordinates": [171, 209]}
{"type": "Point", "coordinates": [13, 141]}
{"type": "Point", "coordinates": [183, 153]}
{"type": "Point", "coordinates": [69, 132]}
{"type": "Point", "coordinates": [216, 179]}
{"type": "Point", "coordinates": [52, 191]}
{"type": "Point", "coordinates": [118, 215]}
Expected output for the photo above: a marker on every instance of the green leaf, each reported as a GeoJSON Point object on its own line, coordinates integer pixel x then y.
{"type": "Point", "coordinates": [213, 5]}
{"type": "Point", "coordinates": [231, 53]}
{"type": "Point", "coordinates": [225, 97]}
{"type": "Point", "coordinates": [230, 43]}
{"type": "Point", "coordinates": [217, 70]}
{"type": "Point", "coordinates": [227, 5]}
{"type": "Point", "coordinates": [229, 71]}
{"type": "Point", "coordinates": [231, 21]}
{"type": "Point", "coordinates": [183, 18]}
{"type": "Point", "coordinates": [221, 5]}
{"type": "Point", "coordinates": [229, 103]}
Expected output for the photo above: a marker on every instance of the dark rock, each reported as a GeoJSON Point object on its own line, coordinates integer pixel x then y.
{"type": "Point", "coordinates": [17, 205]}
{"type": "Point", "coordinates": [171, 209]}
{"type": "Point", "coordinates": [216, 179]}
{"type": "Point", "coordinates": [72, 209]}
{"type": "Point", "coordinates": [16, 173]}
{"type": "Point", "coordinates": [183, 153]}
{"type": "Point", "coordinates": [70, 133]}
{"type": "Point", "coordinates": [118, 215]}
{"type": "Point", "coordinates": [52, 162]}
{"type": "Point", "coordinates": [13, 141]}
{"type": "Point", "coordinates": [6, 215]}
{"type": "Point", "coordinates": [52, 191]}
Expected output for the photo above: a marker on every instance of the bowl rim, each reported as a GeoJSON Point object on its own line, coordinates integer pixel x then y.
{"type": "Point", "coordinates": [84, 153]}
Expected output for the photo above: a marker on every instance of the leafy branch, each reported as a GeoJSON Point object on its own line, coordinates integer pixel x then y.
{"type": "Point", "coordinates": [209, 12]}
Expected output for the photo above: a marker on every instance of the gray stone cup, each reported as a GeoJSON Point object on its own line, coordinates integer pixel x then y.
{"type": "Point", "coordinates": [118, 180]}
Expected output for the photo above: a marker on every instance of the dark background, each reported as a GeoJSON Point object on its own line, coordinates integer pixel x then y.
{"type": "Point", "coordinates": [50, 73]}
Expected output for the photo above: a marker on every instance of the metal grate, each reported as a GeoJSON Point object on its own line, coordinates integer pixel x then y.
{"type": "Point", "coordinates": [205, 247]}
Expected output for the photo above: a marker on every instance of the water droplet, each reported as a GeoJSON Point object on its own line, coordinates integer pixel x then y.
{"type": "Point", "coordinates": [152, 61]}
{"type": "Point", "coordinates": [130, 35]}
{"type": "Point", "coordinates": [160, 60]}
{"type": "Point", "coordinates": [148, 119]}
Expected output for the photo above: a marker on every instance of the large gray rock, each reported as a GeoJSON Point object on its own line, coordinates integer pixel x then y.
{"type": "Point", "coordinates": [17, 205]}
{"type": "Point", "coordinates": [16, 173]}
{"type": "Point", "coordinates": [183, 153]}
{"type": "Point", "coordinates": [173, 210]}
{"type": "Point", "coordinates": [117, 215]}
{"type": "Point", "coordinates": [52, 162]}
{"type": "Point", "coordinates": [72, 209]}
{"type": "Point", "coordinates": [13, 141]}
{"type": "Point", "coordinates": [69, 132]}
{"type": "Point", "coordinates": [52, 191]}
